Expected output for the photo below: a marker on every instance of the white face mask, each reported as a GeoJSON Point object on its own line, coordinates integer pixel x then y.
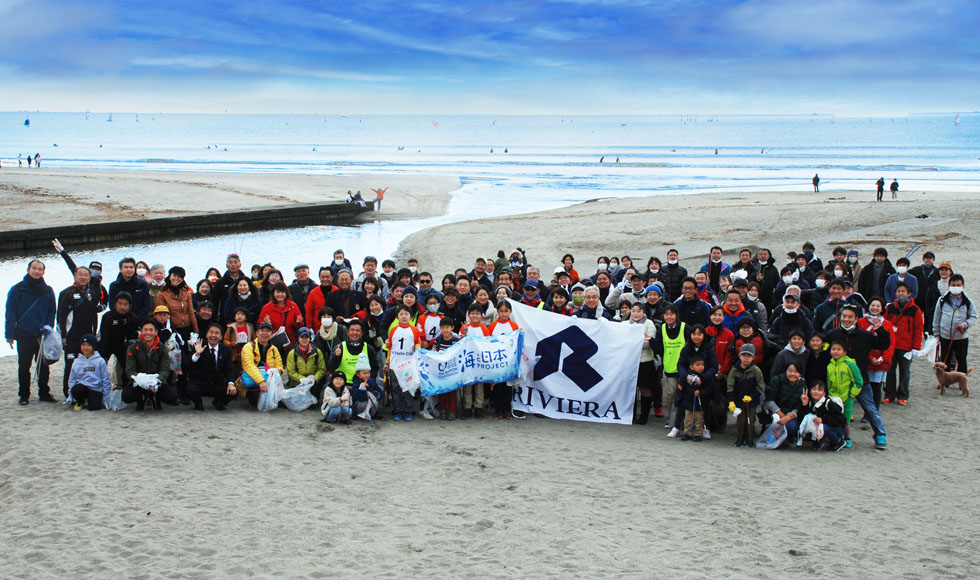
{"type": "Point", "coordinates": [955, 290]}
{"type": "Point", "coordinates": [141, 271]}
{"type": "Point", "coordinates": [326, 321]}
{"type": "Point", "coordinates": [672, 262]}
{"type": "Point", "coordinates": [338, 262]}
{"type": "Point", "coordinates": [654, 270]}
{"type": "Point", "coordinates": [714, 261]}
{"type": "Point", "coordinates": [902, 269]}
{"type": "Point", "coordinates": [790, 310]}
{"type": "Point", "coordinates": [752, 298]}
{"type": "Point", "coordinates": [412, 269]}
{"type": "Point", "coordinates": [839, 273]}
{"type": "Point", "coordinates": [847, 328]}
{"type": "Point", "coordinates": [789, 261]}
{"type": "Point", "coordinates": [432, 308]}
{"type": "Point", "coordinates": [820, 282]}
{"type": "Point", "coordinates": [787, 280]}
{"type": "Point", "coordinates": [852, 259]}
{"type": "Point", "coordinates": [602, 267]}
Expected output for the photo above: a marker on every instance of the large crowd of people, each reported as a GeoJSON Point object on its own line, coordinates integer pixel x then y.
{"type": "Point", "coordinates": [796, 341]}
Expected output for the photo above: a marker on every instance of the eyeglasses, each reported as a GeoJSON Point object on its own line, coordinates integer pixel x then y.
{"type": "Point", "coordinates": [425, 281]}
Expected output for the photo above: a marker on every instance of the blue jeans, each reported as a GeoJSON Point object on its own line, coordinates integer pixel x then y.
{"type": "Point", "coordinates": [334, 413]}
{"type": "Point", "coordinates": [792, 429]}
{"type": "Point", "coordinates": [833, 435]}
{"type": "Point", "coordinates": [867, 401]}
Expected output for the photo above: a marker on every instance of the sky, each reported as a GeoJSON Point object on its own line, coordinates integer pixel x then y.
{"type": "Point", "coordinates": [844, 57]}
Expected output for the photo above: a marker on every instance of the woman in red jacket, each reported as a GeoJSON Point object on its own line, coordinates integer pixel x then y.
{"type": "Point", "coordinates": [907, 320]}
{"type": "Point", "coordinates": [281, 312]}
{"type": "Point", "coordinates": [723, 341]}
{"type": "Point", "coordinates": [881, 360]}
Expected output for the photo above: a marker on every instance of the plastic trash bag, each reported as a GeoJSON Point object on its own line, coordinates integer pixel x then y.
{"type": "Point", "coordinates": [176, 356]}
{"type": "Point", "coordinates": [147, 382]}
{"type": "Point", "coordinates": [51, 348]}
{"type": "Point", "coordinates": [269, 400]}
{"type": "Point", "coordinates": [298, 398]}
{"type": "Point", "coordinates": [929, 349]}
{"type": "Point", "coordinates": [115, 402]}
{"type": "Point", "coordinates": [772, 437]}
{"type": "Point", "coordinates": [407, 372]}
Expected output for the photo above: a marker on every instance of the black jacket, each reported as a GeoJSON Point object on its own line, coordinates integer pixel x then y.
{"type": "Point", "coordinates": [78, 313]}
{"type": "Point", "coordinates": [209, 372]}
{"type": "Point", "coordinates": [674, 274]}
{"type": "Point", "coordinates": [116, 333]}
{"type": "Point", "coordinates": [866, 285]}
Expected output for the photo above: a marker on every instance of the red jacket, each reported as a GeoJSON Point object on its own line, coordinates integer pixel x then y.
{"type": "Point", "coordinates": [908, 325]}
{"type": "Point", "coordinates": [314, 302]}
{"type": "Point", "coordinates": [283, 316]}
{"type": "Point", "coordinates": [884, 355]}
{"type": "Point", "coordinates": [723, 348]}
{"type": "Point", "coordinates": [756, 341]}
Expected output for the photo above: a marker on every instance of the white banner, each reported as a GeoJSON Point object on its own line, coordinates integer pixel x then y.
{"type": "Point", "coordinates": [586, 370]}
{"type": "Point", "coordinates": [474, 359]}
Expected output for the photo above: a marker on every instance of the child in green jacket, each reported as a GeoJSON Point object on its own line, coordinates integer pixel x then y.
{"type": "Point", "coordinates": [844, 381]}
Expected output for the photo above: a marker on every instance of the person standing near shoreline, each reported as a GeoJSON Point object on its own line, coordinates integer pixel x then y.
{"type": "Point", "coordinates": [380, 197]}
{"type": "Point", "coordinates": [30, 306]}
{"type": "Point", "coordinates": [881, 187]}
{"type": "Point", "coordinates": [816, 183]}
{"type": "Point", "coordinates": [894, 188]}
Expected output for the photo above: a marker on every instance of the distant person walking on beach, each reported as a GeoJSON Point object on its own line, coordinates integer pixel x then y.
{"type": "Point", "coordinates": [37, 161]}
{"type": "Point", "coordinates": [380, 197]}
{"type": "Point", "coordinates": [881, 187]}
{"type": "Point", "coordinates": [20, 160]}
{"type": "Point", "coordinates": [894, 188]}
{"type": "Point", "coordinates": [816, 183]}
{"type": "Point", "coordinates": [29, 159]}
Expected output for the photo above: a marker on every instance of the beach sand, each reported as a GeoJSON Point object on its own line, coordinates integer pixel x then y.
{"type": "Point", "coordinates": [50, 197]}
{"type": "Point", "coordinates": [243, 494]}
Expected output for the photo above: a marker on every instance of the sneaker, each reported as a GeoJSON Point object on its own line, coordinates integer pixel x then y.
{"type": "Point", "coordinates": [443, 415]}
{"type": "Point", "coordinates": [903, 402]}
{"type": "Point", "coordinates": [739, 442]}
{"type": "Point", "coordinates": [658, 412]}
{"type": "Point", "coordinates": [847, 443]}
{"type": "Point", "coordinates": [880, 443]}
{"type": "Point", "coordinates": [77, 407]}
{"type": "Point", "coordinates": [518, 414]}
{"type": "Point", "coordinates": [478, 413]}
{"type": "Point", "coordinates": [500, 417]}
{"type": "Point", "coordinates": [409, 417]}
{"type": "Point", "coordinates": [673, 432]}
{"type": "Point", "coordinates": [885, 401]}
{"type": "Point", "coordinates": [749, 443]}
{"type": "Point", "coordinates": [838, 447]}
{"type": "Point", "coordinates": [427, 415]}
{"type": "Point", "coordinates": [707, 435]}
{"type": "Point", "coordinates": [686, 437]}
{"type": "Point", "coordinates": [24, 401]}
{"type": "Point", "coordinates": [451, 417]}
{"type": "Point", "coordinates": [185, 401]}
{"type": "Point", "coordinates": [47, 398]}
{"type": "Point", "coordinates": [398, 417]}
{"type": "Point", "coordinates": [698, 438]}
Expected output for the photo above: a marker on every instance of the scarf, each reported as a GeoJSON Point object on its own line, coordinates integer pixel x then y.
{"type": "Point", "coordinates": [35, 285]}
{"type": "Point", "coordinates": [328, 334]}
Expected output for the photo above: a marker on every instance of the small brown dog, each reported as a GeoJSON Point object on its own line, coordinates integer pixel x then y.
{"type": "Point", "coordinates": [947, 378]}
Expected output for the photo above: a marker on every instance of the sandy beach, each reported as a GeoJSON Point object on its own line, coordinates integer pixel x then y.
{"type": "Point", "coordinates": [50, 197]}
{"type": "Point", "coordinates": [243, 494]}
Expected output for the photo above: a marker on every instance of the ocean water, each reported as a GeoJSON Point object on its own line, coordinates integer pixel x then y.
{"type": "Point", "coordinates": [507, 164]}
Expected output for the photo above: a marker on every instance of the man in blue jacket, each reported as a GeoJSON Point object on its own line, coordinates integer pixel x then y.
{"type": "Point", "coordinates": [30, 306]}
{"type": "Point", "coordinates": [136, 287]}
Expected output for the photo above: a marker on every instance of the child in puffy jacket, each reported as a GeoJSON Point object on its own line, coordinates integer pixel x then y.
{"type": "Point", "coordinates": [824, 418]}
{"type": "Point", "coordinates": [696, 388]}
{"type": "Point", "coordinates": [336, 405]}
{"type": "Point", "coordinates": [745, 387]}
{"type": "Point", "coordinates": [844, 381]}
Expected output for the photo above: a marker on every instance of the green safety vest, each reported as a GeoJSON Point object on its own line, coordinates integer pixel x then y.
{"type": "Point", "coordinates": [348, 361]}
{"type": "Point", "coordinates": [672, 350]}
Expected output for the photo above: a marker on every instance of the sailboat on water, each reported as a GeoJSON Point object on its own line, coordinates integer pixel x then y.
{"type": "Point", "coordinates": [27, 122]}
{"type": "Point", "coordinates": [109, 120]}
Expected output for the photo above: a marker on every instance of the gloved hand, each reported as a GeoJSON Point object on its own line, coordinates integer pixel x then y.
{"type": "Point", "coordinates": [746, 399]}
{"type": "Point", "coordinates": [910, 354]}
{"type": "Point", "coordinates": [731, 407]}
{"type": "Point", "coordinates": [736, 412]}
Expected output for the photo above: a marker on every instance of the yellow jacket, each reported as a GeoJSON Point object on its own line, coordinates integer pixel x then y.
{"type": "Point", "coordinates": [251, 359]}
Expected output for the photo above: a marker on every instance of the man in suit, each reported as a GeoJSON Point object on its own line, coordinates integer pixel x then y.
{"type": "Point", "coordinates": [211, 373]}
